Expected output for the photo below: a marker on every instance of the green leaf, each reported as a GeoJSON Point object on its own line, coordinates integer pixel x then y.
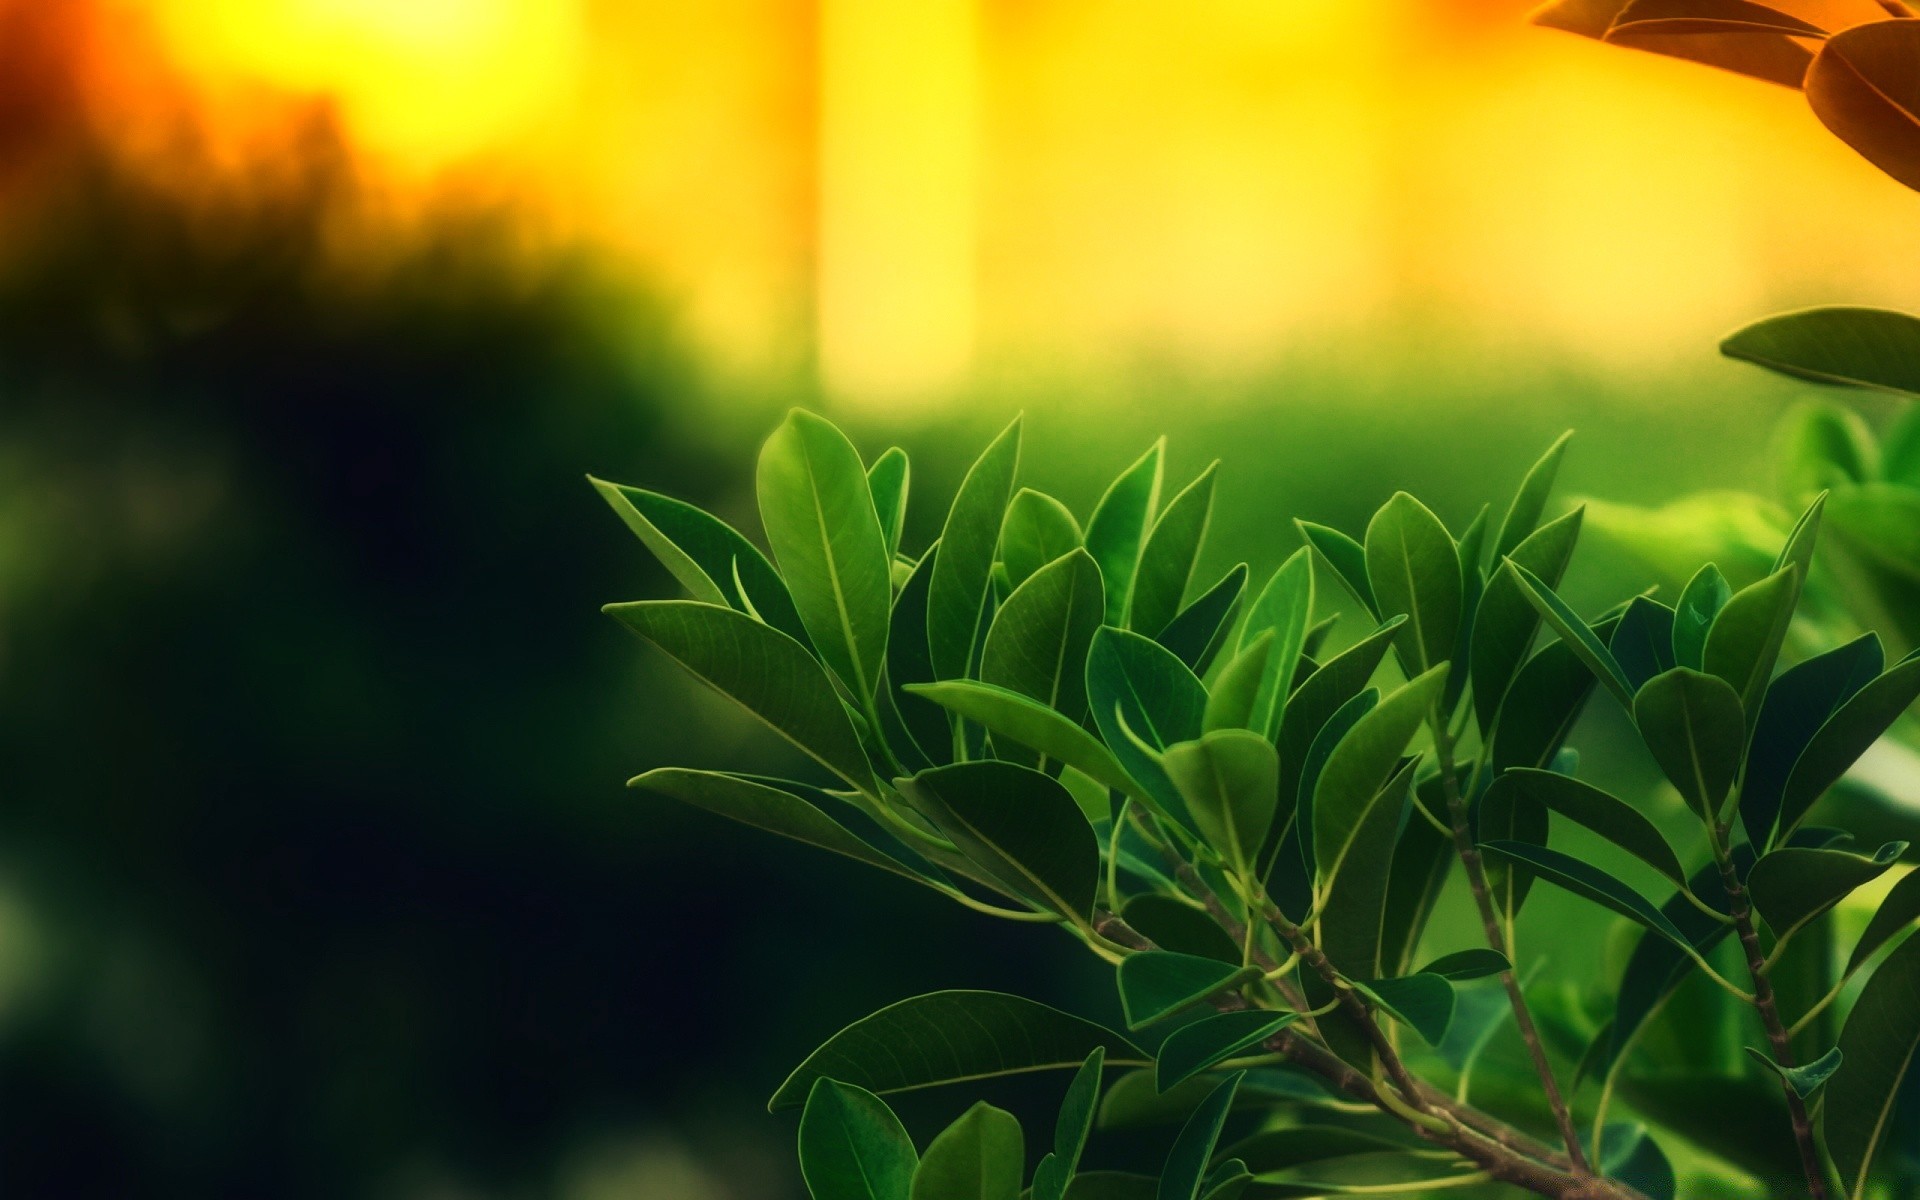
{"type": "Point", "coordinates": [1057, 1169]}
{"type": "Point", "coordinates": [1229, 779]}
{"type": "Point", "coordinates": [1313, 703]}
{"type": "Point", "coordinates": [1797, 704]}
{"type": "Point", "coordinates": [764, 806]}
{"type": "Point", "coordinates": [1350, 784]}
{"type": "Point", "coordinates": [1424, 1003]}
{"type": "Point", "coordinates": [1530, 502]}
{"type": "Point", "coordinates": [1118, 528]}
{"type": "Point", "coordinates": [1856, 347]}
{"type": "Point", "coordinates": [1353, 900]}
{"type": "Point", "coordinates": [1414, 569]}
{"type": "Point", "coordinates": [1795, 884]}
{"type": "Point", "coordinates": [1463, 966]}
{"type": "Point", "coordinates": [1635, 1159]}
{"type": "Point", "coordinates": [1603, 813]}
{"type": "Point", "coordinates": [1700, 602]}
{"type": "Point", "coordinates": [1545, 701]}
{"type": "Point", "coordinates": [1155, 984]}
{"type": "Point", "coordinates": [1010, 715]}
{"type": "Point", "coordinates": [1168, 555]}
{"type": "Point", "coordinates": [1285, 608]}
{"type": "Point", "coordinates": [1038, 642]}
{"type": "Point", "coordinates": [1576, 633]}
{"type": "Point", "coordinates": [1509, 812]}
{"type": "Point", "coordinates": [1020, 826]}
{"type": "Point", "coordinates": [1505, 620]}
{"type": "Point", "coordinates": [1210, 1041]}
{"type": "Point", "coordinates": [763, 670]}
{"type": "Point", "coordinates": [1231, 698]}
{"type": "Point", "coordinates": [1880, 523]}
{"type": "Point", "coordinates": [1898, 910]}
{"type": "Point", "coordinates": [1643, 641]}
{"type": "Point", "coordinates": [1348, 559]}
{"type": "Point", "coordinates": [1694, 725]}
{"type": "Point", "coordinates": [708, 556]}
{"type": "Point", "coordinates": [1422, 858]}
{"type": "Point", "coordinates": [981, 1156]}
{"type": "Point", "coordinates": [1817, 447]}
{"type": "Point", "coordinates": [1274, 1150]}
{"type": "Point", "coordinates": [963, 563]}
{"type": "Point", "coordinates": [1038, 530]}
{"type": "Point", "coordinates": [852, 1147]}
{"type": "Point", "coordinates": [953, 1037]}
{"type": "Point", "coordinates": [820, 520]}
{"type": "Point", "coordinates": [887, 480]}
{"type": "Point", "coordinates": [1583, 879]}
{"type": "Point", "coordinates": [1746, 637]}
{"type": "Point", "coordinates": [1878, 1046]}
{"type": "Point", "coordinates": [1172, 925]}
{"type": "Point", "coordinates": [1137, 685]}
{"type": "Point", "coordinates": [1193, 1148]}
{"type": "Point", "coordinates": [1846, 735]}
{"type": "Point", "coordinates": [1805, 1079]}
{"type": "Point", "coordinates": [922, 723]}
{"type": "Point", "coordinates": [1198, 633]}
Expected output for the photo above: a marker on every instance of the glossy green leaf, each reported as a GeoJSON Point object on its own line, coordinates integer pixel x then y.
{"type": "Point", "coordinates": [1118, 529]}
{"type": "Point", "coordinates": [1846, 735]}
{"type": "Point", "coordinates": [1505, 620]}
{"type": "Point", "coordinates": [1794, 884]}
{"type": "Point", "coordinates": [852, 1147]}
{"type": "Point", "coordinates": [1603, 813]}
{"type": "Point", "coordinates": [1423, 1003]}
{"type": "Point", "coordinates": [1584, 879]}
{"type": "Point", "coordinates": [1197, 635]}
{"type": "Point", "coordinates": [1700, 602]}
{"type": "Point", "coordinates": [1229, 779]}
{"type": "Point", "coordinates": [1580, 637]}
{"type": "Point", "coordinates": [1168, 556]}
{"type": "Point", "coordinates": [981, 1156]}
{"type": "Point", "coordinates": [1354, 898]}
{"type": "Point", "coordinates": [1423, 856]}
{"type": "Point", "coordinates": [1414, 569]}
{"type": "Point", "coordinates": [1019, 825]}
{"type": "Point", "coordinates": [1694, 725]}
{"type": "Point", "coordinates": [1797, 704]}
{"type": "Point", "coordinates": [1136, 685]}
{"type": "Point", "coordinates": [1472, 552]}
{"type": "Point", "coordinates": [952, 1037]}
{"type": "Point", "coordinates": [921, 722]}
{"type": "Point", "coordinates": [1544, 703]}
{"type": "Point", "coordinates": [1744, 643]}
{"type": "Point", "coordinates": [1898, 910]}
{"type": "Point", "coordinates": [1038, 529]}
{"type": "Point", "coordinates": [1285, 609]}
{"type": "Point", "coordinates": [1878, 1047]}
{"type": "Point", "coordinates": [887, 479]}
{"type": "Point", "coordinates": [1021, 719]}
{"type": "Point", "coordinates": [1186, 1167]}
{"type": "Point", "coordinates": [963, 561]}
{"type": "Point", "coordinates": [1657, 966]}
{"type": "Point", "coordinates": [1210, 1041]}
{"type": "Point", "coordinates": [1857, 347]}
{"type": "Point", "coordinates": [820, 520]}
{"type": "Point", "coordinates": [1273, 1150]}
{"type": "Point", "coordinates": [1509, 812]}
{"type": "Point", "coordinates": [1530, 501]}
{"type": "Point", "coordinates": [1332, 685]}
{"type": "Point", "coordinates": [1315, 762]}
{"type": "Point", "coordinates": [1172, 925]}
{"type": "Point", "coordinates": [1155, 984]}
{"type": "Point", "coordinates": [1231, 698]}
{"type": "Point", "coordinates": [763, 670]}
{"type": "Point", "coordinates": [1632, 1157]}
{"type": "Point", "coordinates": [1463, 966]}
{"type": "Point", "coordinates": [1643, 641]}
{"type": "Point", "coordinates": [1806, 1078]}
{"type": "Point", "coordinates": [1348, 559]}
{"type": "Point", "coordinates": [1038, 642]}
{"type": "Point", "coordinates": [1055, 1173]}
{"type": "Point", "coordinates": [1350, 784]}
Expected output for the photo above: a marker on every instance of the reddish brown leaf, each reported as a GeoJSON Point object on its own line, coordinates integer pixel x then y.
{"type": "Point", "coordinates": [1864, 85]}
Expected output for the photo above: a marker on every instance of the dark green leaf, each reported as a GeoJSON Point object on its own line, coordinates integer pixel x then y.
{"type": "Point", "coordinates": [1350, 784]}
{"type": "Point", "coordinates": [1038, 529]}
{"type": "Point", "coordinates": [1878, 1045]}
{"type": "Point", "coordinates": [1020, 719]}
{"type": "Point", "coordinates": [981, 1156]}
{"type": "Point", "coordinates": [1580, 637]}
{"type": "Point", "coordinates": [1112, 1185]}
{"type": "Point", "coordinates": [1019, 825]}
{"type": "Point", "coordinates": [1422, 1002]}
{"type": "Point", "coordinates": [1348, 559]}
{"type": "Point", "coordinates": [765, 671]}
{"type": "Point", "coordinates": [1603, 813]}
{"type": "Point", "coordinates": [1414, 568]}
{"type": "Point", "coordinates": [1584, 879]}
{"type": "Point", "coordinates": [1858, 347]}
{"type": "Point", "coordinates": [1198, 633]}
{"type": "Point", "coordinates": [1530, 502]}
{"type": "Point", "coordinates": [1230, 700]}
{"type": "Point", "coordinates": [1510, 812]}
{"type": "Point", "coordinates": [1656, 966]}
{"type": "Point", "coordinates": [1336, 728]}
{"type": "Point", "coordinates": [908, 662]}
{"type": "Point", "coordinates": [1422, 857]}
{"type": "Point", "coordinates": [1846, 735]}
{"type": "Point", "coordinates": [1210, 1041]}
{"type": "Point", "coordinates": [1794, 884]}
{"type": "Point", "coordinates": [1506, 620]}
{"type": "Point", "coordinates": [887, 479]}
{"type": "Point", "coordinates": [1118, 528]}
{"type": "Point", "coordinates": [1167, 557]}
{"type": "Point", "coordinates": [1635, 1159]}
{"type": "Point", "coordinates": [1038, 643]}
{"type": "Point", "coordinates": [1323, 693]}
{"type": "Point", "coordinates": [1700, 602]}
{"type": "Point", "coordinates": [1897, 911]}
{"type": "Point", "coordinates": [951, 1037]}
{"type": "Point", "coordinates": [1797, 704]}
{"type": "Point", "coordinates": [1274, 1150]}
{"type": "Point", "coordinates": [1056, 1170]}
{"type": "Point", "coordinates": [852, 1147]}
{"type": "Point", "coordinates": [963, 561]}
{"type": "Point", "coordinates": [1643, 642]}
{"type": "Point", "coordinates": [1746, 637]}
{"type": "Point", "coordinates": [1193, 1149]}
{"type": "Point", "coordinates": [1543, 704]}
{"type": "Point", "coordinates": [1171, 925]}
{"type": "Point", "coordinates": [1805, 1079]}
{"type": "Point", "coordinates": [1155, 984]}
{"type": "Point", "coordinates": [1140, 683]}
{"type": "Point", "coordinates": [1354, 900]}
{"type": "Point", "coordinates": [820, 520]}
{"type": "Point", "coordinates": [1284, 609]}
{"type": "Point", "coordinates": [1464, 965]}
{"type": "Point", "coordinates": [1693, 724]}
{"type": "Point", "coordinates": [1229, 779]}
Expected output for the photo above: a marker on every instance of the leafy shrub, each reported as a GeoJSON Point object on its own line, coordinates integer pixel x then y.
{"type": "Point", "coordinates": [1056, 723]}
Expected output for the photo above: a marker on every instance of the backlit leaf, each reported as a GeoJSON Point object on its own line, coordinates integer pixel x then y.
{"type": "Point", "coordinates": [963, 561]}
{"type": "Point", "coordinates": [1284, 608]}
{"type": "Point", "coordinates": [1857, 347]}
{"type": "Point", "coordinates": [1414, 569]}
{"type": "Point", "coordinates": [1863, 88]}
{"type": "Point", "coordinates": [1806, 1078]}
{"type": "Point", "coordinates": [1347, 558]}
{"type": "Point", "coordinates": [1196, 635]}
{"type": "Point", "coordinates": [981, 1156]}
{"type": "Point", "coordinates": [1350, 783]}
{"type": "Point", "coordinates": [1139, 682]}
{"type": "Point", "coordinates": [1229, 779]}
{"type": "Point", "coordinates": [1423, 1003]}
{"type": "Point", "coordinates": [1774, 57]}
{"type": "Point", "coordinates": [852, 1147]}
{"type": "Point", "coordinates": [1118, 528]}
{"type": "Point", "coordinates": [1693, 724]}
{"type": "Point", "coordinates": [1333, 684]}
{"type": "Point", "coordinates": [1530, 500]}
{"type": "Point", "coordinates": [1700, 602]}
{"type": "Point", "coordinates": [1230, 700]}
{"type": "Point", "coordinates": [1168, 555]}
{"type": "Point", "coordinates": [1038, 529]}
{"type": "Point", "coordinates": [1580, 637]}
{"type": "Point", "coordinates": [1746, 637]}
{"type": "Point", "coordinates": [1898, 910]}
{"type": "Point", "coordinates": [1010, 715]}
{"type": "Point", "coordinates": [1038, 642]}
{"type": "Point", "coordinates": [887, 479]}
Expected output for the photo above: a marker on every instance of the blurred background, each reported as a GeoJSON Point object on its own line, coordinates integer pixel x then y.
{"type": "Point", "coordinates": [317, 877]}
